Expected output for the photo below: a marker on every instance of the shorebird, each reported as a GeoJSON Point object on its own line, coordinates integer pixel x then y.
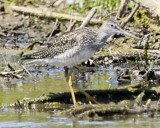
{"type": "Point", "coordinates": [77, 46]}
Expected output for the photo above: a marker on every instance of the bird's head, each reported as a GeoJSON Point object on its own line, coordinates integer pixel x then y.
{"type": "Point", "coordinates": [111, 26]}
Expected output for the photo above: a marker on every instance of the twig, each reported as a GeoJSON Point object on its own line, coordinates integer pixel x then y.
{"type": "Point", "coordinates": [138, 100]}
{"type": "Point", "coordinates": [140, 58]}
{"type": "Point", "coordinates": [17, 76]}
{"type": "Point", "coordinates": [4, 59]}
{"type": "Point", "coordinates": [58, 2]}
{"type": "Point", "coordinates": [71, 26]}
{"type": "Point", "coordinates": [72, 23]}
{"type": "Point", "coordinates": [54, 28]}
{"type": "Point", "coordinates": [89, 16]}
{"type": "Point", "coordinates": [12, 73]}
{"type": "Point", "coordinates": [157, 106]}
{"type": "Point", "coordinates": [3, 34]}
{"type": "Point", "coordinates": [130, 15]}
{"type": "Point", "coordinates": [19, 104]}
{"type": "Point", "coordinates": [148, 102]}
{"type": "Point", "coordinates": [146, 48]}
{"type": "Point", "coordinates": [7, 64]}
{"type": "Point", "coordinates": [27, 71]}
{"type": "Point", "coordinates": [122, 8]}
{"type": "Point", "coordinates": [10, 67]}
{"type": "Point", "coordinates": [45, 12]}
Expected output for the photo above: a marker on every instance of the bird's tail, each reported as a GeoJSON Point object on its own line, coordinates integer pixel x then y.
{"type": "Point", "coordinates": [38, 62]}
{"type": "Point", "coordinates": [37, 55]}
{"type": "Point", "coordinates": [28, 56]}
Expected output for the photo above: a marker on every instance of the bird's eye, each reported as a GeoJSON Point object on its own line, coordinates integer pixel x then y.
{"type": "Point", "coordinates": [112, 25]}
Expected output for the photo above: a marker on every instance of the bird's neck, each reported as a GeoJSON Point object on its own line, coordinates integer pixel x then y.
{"type": "Point", "coordinates": [102, 38]}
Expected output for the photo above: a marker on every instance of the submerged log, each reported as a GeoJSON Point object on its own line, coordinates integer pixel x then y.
{"type": "Point", "coordinates": [114, 102]}
{"type": "Point", "coordinates": [102, 111]}
{"type": "Point", "coordinates": [102, 96]}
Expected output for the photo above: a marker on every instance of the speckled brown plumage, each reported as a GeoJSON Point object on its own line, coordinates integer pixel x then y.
{"type": "Point", "coordinates": [80, 37]}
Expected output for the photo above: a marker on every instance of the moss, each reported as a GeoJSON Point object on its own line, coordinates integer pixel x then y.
{"type": "Point", "coordinates": [142, 17]}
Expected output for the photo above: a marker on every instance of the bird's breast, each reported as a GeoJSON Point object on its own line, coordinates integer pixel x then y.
{"type": "Point", "coordinates": [71, 57]}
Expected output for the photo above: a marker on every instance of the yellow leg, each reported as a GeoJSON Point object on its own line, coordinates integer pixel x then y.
{"type": "Point", "coordinates": [71, 89]}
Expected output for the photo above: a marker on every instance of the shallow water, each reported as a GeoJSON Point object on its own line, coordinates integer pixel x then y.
{"type": "Point", "coordinates": [17, 118]}
{"type": "Point", "coordinates": [53, 80]}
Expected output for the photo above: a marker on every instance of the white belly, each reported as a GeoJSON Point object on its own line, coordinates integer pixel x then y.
{"type": "Point", "coordinates": [69, 58]}
{"type": "Point", "coordinates": [66, 59]}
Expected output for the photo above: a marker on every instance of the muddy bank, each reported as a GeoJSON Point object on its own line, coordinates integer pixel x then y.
{"type": "Point", "coordinates": [112, 103]}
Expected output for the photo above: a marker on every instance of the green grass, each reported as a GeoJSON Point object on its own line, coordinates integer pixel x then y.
{"type": "Point", "coordinates": [84, 6]}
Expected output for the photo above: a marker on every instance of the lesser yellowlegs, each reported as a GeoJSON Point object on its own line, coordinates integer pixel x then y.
{"type": "Point", "coordinates": [77, 46]}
